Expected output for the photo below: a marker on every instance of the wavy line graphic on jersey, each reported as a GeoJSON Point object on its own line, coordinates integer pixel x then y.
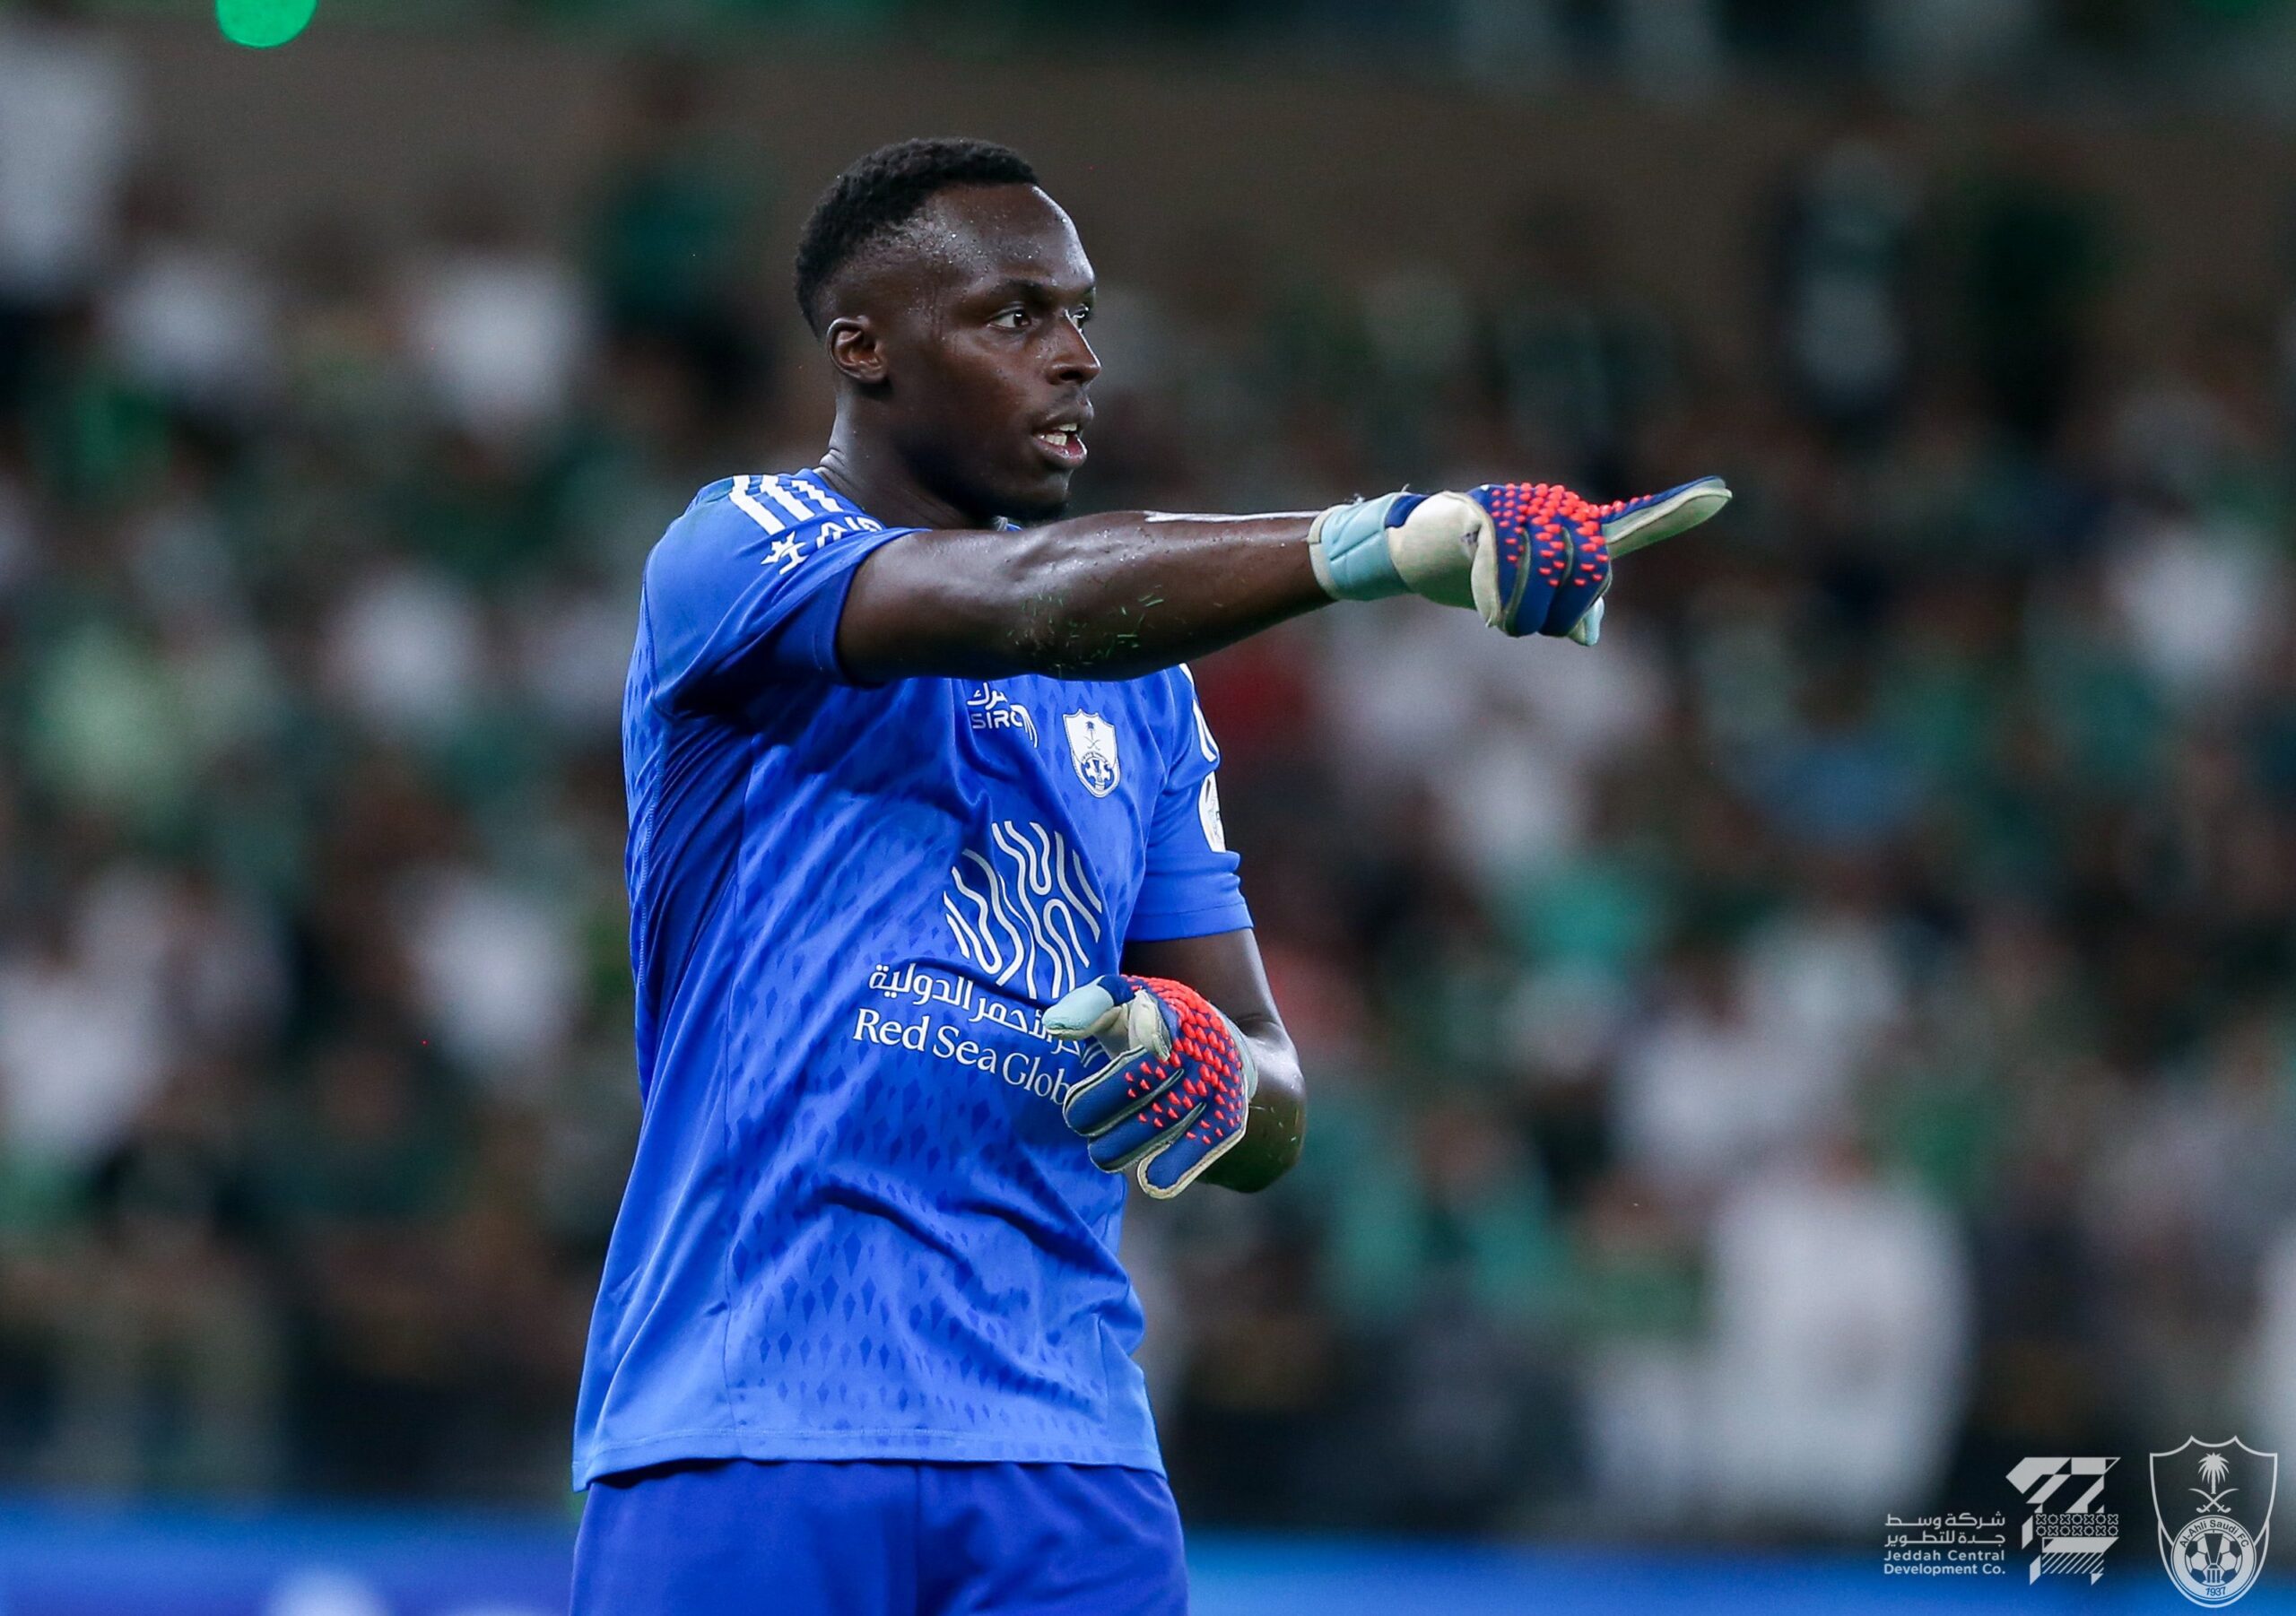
{"type": "Point", "coordinates": [1026, 912]}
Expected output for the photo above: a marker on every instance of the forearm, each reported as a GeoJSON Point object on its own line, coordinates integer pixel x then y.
{"type": "Point", "coordinates": [1104, 597]}
{"type": "Point", "coordinates": [1278, 1122]}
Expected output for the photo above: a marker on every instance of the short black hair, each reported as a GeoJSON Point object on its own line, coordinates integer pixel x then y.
{"type": "Point", "coordinates": [885, 191]}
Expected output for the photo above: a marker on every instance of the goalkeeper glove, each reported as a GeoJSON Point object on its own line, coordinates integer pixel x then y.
{"type": "Point", "coordinates": [1175, 1092]}
{"type": "Point", "coordinates": [1533, 557]}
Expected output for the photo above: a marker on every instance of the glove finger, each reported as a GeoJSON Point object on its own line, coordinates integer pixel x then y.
{"type": "Point", "coordinates": [1118, 1091]}
{"type": "Point", "coordinates": [1589, 631]}
{"type": "Point", "coordinates": [1655, 516]}
{"type": "Point", "coordinates": [1141, 1136]}
{"type": "Point", "coordinates": [1124, 1015]}
{"type": "Point", "coordinates": [1544, 566]}
{"type": "Point", "coordinates": [1521, 559]}
{"type": "Point", "coordinates": [1165, 1173]}
{"type": "Point", "coordinates": [1587, 574]}
{"type": "Point", "coordinates": [1092, 1010]}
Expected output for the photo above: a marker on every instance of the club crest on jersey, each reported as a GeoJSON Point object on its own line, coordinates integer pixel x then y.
{"type": "Point", "coordinates": [1092, 744]}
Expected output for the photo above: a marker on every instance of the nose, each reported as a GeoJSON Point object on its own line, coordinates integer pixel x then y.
{"type": "Point", "coordinates": [1073, 359]}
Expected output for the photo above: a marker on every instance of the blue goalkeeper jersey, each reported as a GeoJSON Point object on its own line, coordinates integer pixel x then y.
{"type": "Point", "coordinates": [856, 1226]}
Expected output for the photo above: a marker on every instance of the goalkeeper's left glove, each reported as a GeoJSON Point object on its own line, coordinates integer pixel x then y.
{"type": "Point", "coordinates": [1534, 558]}
{"type": "Point", "coordinates": [1174, 1094]}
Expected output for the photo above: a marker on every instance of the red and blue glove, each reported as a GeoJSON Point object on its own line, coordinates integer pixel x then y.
{"type": "Point", "coordinates": [1533, 557]}
{"type": "Point", "coordinates": [1175, 1092]}
{"type": "Point", "coordinates": [1544, 566]}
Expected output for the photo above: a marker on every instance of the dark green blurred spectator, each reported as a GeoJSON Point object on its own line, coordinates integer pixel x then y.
{"type": "Point", "coordinates": [2036, 260]}
{"type": "Point", "coordinates": [361, 1173]}
{"type": "Point", "coordinates": [674, 247]}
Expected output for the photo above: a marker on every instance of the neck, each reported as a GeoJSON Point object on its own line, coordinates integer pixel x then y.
{"type": "Point", "coordinates": [870, 473]}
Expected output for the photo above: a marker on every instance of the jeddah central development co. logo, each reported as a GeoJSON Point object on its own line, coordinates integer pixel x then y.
{"type": "Point", "coordinates": [2214, 1548]}
{"type": "Point", "coordinates": [2068, 1534]}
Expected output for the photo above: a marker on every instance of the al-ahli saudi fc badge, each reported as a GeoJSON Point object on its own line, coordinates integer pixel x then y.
{"type": "Point", "coordinates": [2211, 1504]}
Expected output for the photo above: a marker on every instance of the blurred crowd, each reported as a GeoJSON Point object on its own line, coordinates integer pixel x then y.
{"type": "Point", "coordinates": [1674, 50]}
{"type": "Point", "coordinates": [1778, 1068]}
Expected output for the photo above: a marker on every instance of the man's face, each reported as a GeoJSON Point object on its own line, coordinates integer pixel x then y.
{"type": "Point", "coordinates": [986, 365]}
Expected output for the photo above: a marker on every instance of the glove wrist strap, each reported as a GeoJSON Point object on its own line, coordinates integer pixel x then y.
{"type": "Point", "coordinates": [1348, 547]}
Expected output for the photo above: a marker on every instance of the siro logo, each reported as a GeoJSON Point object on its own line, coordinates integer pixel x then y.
{"type": "Point", "coordinates": [990, 708]}
{"type": "Point", "coordinates": [2072, 1535]}
{"type": "Point", "coordinates": [1026, 912]}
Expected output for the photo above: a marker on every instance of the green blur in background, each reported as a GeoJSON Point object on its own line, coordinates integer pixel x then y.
{"type": "Point", "coordinates": [261, 24]}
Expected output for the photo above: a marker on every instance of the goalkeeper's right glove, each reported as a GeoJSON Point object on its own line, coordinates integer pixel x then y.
{"type": "Point", "coordinates": [1531, 558]}
{"type": "Point", "coordinates": [1173, 1095]}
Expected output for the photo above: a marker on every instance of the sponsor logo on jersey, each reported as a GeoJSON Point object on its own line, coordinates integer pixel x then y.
{"type": "Point", "coordinates": [1024, 911]}
{"type": "Point", "coordinates": [990, 708]}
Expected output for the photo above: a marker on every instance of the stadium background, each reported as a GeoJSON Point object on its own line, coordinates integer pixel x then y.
{"type": "Point", "coordinates": [1773, 1074]}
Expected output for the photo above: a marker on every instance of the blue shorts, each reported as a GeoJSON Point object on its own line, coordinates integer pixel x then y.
{"type": "Point", "coordinates": [736, 1537]}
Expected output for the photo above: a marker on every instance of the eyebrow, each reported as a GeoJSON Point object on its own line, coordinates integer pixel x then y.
{"type": "Point", "coordinates": [1032, 286]}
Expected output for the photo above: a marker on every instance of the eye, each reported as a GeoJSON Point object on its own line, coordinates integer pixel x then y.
{"type": "Point", "coordinates": [1083, 317]}
{"type": "Point", "coordinates": [1010, 319]}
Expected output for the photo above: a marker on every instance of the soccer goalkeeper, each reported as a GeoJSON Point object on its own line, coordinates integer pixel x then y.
{"type": "Point", "coordinates": [937, 942]}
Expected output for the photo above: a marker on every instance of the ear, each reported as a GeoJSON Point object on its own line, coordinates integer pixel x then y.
{"type": "Point", "coordinates": [853, 349]}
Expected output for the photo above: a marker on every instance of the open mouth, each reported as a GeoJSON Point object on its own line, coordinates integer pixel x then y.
{"type": "Point", "coordinates": [1064, 444]}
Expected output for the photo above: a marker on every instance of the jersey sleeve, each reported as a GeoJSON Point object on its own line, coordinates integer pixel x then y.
{"type": "Point", "coordinates": [746, 587]}
{"type": "Point", "coordinates": [1190, 887]}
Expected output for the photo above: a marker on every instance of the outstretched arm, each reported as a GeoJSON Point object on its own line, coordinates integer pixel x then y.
{"type": "Point", "coordinates": [1096, 597]}
{"type": "Point", "coordinates": [1115, 597]}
